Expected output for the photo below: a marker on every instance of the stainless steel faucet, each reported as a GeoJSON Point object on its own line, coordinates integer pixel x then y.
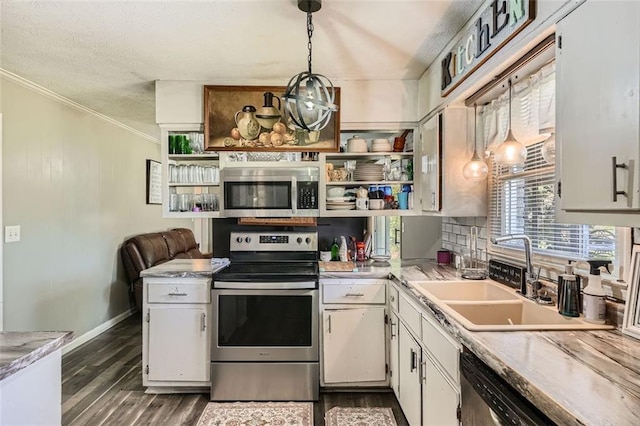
{"type": "Point", "coordinates": [530, 286]}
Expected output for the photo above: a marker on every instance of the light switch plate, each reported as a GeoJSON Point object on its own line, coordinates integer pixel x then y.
{"type": "Point", "coordinates": [11, 234]}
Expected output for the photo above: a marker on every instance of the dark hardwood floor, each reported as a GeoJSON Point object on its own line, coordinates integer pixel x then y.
{"type": "Point", "coordinates": [102, 385]}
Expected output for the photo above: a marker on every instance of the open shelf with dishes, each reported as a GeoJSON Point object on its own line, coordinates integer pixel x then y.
{"type": "Point", "coordinates": [190, 176]}
{"type": "Point", "coordinates": [368, 178]}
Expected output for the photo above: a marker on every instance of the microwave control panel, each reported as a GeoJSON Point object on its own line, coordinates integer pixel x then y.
{"type": "Point", "coordinates": [307, 195]}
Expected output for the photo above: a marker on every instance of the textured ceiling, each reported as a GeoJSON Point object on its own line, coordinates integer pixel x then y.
{"type": "Point", "coordinates": [106, 55]}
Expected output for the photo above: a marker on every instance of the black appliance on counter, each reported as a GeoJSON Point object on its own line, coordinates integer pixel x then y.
{"type": "Point", "coordinates": [264, 343]}
{"type": "Point", "coordinates": [487, 399]}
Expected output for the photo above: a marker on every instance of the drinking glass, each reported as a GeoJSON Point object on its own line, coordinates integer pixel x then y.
{"type": "Point", "coordinates": [386, 168]}
{"type": "Point", "coordinates": [173, 203]}
{"type": "Point", "coordinates": [350, 167]}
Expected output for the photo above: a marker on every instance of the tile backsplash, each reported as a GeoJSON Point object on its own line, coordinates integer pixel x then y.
{"type": "Point", "coordinates": [455, 234]}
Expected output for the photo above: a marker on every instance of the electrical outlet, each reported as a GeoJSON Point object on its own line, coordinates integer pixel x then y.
{"type": "Point", "coordinates": [11, 234]}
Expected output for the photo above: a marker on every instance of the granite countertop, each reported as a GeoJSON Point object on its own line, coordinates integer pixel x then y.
{"type": "Point", "coordinates": [19, 349]}
{"type": "Point", "coordinates": [575, 377]}
{"type": "Point", "coordinates": [421, 267]}
{"type": "Point", "coordinates": [181, 268]}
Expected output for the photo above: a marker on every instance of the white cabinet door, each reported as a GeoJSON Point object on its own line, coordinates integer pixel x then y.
{"type": "Point", "coordinates": [409, 367]}
{"type": "Point", "coordinates": [354, 345]}
{"type": "Point", "coordinates": [430, 164]}
{"type": "Point", "coordinates": [597, 85]}
{"type": "Point", "coordinates": [440, 400]}
{"type": "Point", "coordinates": [394, 372]}
{"type": "Point", "coordinates": [178, 348]}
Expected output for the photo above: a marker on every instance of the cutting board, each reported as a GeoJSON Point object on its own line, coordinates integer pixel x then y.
{"type": "Point", "coordinates": [337, 267]}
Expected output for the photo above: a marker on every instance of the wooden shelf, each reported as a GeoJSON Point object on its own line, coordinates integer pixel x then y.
{"type": "Point", "coordinates": [367, 182]}
{"type": "Point", "coordinates": [194, 184]}
{"type": "Point", "coordinates": [193, 157]}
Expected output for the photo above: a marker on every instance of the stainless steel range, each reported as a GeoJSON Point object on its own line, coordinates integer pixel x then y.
{"type": "Point", "coordinates": [265, 319]}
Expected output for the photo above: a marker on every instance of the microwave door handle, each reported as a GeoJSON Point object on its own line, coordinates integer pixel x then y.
{"type": "Point", "coordinates": [294, 195]}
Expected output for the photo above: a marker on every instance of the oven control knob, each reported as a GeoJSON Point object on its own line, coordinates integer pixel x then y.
{"type": "Point", "coordinates": [307, 240]}
{"type": "Point", "coordinates": [239, 239]}
{"type": "Point", "coordinates": [248, 239]}
{"type": "Point", "coordinates": [299, 240]}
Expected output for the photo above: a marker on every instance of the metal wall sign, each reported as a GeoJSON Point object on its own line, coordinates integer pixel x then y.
{"type": "Point", "coordinates": [499, 23]}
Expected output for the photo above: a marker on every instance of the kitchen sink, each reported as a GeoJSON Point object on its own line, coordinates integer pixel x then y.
{"type": "Point", "coordinates": [490, 306]}
{"type": "Point", "coordinates": [467, 290]}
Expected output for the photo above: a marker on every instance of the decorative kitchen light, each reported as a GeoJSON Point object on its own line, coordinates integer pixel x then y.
{"type": "Point", "coordinates": [510, 152]}
{"type": "Point", "coordinates": [475, 169]}
{"type": "Point", "coordinates": [310, 98]}
{"type": "Point", "coordinates": [549, 149]}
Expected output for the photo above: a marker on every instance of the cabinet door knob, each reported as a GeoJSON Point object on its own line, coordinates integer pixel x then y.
{"type": "Point", "coordinates": [392, 330]}
{"type": "Point", "coordinates": [177, 294]}
{"type": "Point", "coordinates": [354, 295]}
{"type": "Point", "coordinates": [204, 321]}
{"type": "Point", "coordinates": [413, 361]}
{"type": "Point", "coordinates": [329, 320]}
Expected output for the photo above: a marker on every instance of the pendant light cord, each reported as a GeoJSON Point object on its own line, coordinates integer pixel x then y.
{"type": "Point", "coordinates": [309, 34]}
{"type": "Point", "coordinates": [509, 103]}
{"type": "Point", "coordinates": [475, 129]}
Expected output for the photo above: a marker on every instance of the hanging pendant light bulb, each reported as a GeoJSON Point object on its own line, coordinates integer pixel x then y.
{"type": "Point", "coordinates": [310, 98]}
{"type": "Point", "coordinates": [510, 152]}
{"type": "Point", "coordinates": [549, 149]}
{"type": "Point", "coordinates": [475, 169]}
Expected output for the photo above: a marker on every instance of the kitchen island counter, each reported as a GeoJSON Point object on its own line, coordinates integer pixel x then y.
{"type": "Point", "coordinates": [575, 377]}
{"type": "Point", "coordinates": [31, 377]}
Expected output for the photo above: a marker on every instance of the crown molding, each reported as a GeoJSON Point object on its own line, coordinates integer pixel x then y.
{"type": "Point", "coordinates": [14, 78]}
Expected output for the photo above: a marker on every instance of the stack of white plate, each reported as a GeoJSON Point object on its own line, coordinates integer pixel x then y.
{"type": "Point", "coordinates": [380, 145]}
{"type": "Point", "coordinates": [341, 203]}
{"type": "Point", "coordinates": [368, 172]}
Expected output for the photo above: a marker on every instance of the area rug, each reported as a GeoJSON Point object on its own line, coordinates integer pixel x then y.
{"type": "Point", "coordinates": [257, 414]}
{"type": "Point", "coordinates": [351, 416]}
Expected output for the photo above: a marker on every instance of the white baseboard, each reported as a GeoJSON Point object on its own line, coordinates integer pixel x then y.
{"type": "Point", "coordinates": [96, 331]}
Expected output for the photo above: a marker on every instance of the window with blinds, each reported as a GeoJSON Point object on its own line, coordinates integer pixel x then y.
{"type": "Point", "coordinates": [522, 202]}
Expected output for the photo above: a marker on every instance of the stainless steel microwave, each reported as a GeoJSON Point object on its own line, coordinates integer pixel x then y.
{"type": "Point", "coordinates": [269, 192]}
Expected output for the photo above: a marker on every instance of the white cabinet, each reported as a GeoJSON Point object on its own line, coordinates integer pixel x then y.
{"type": "Point", "coordinates": [353, 335]}
{"type": "Point", "coordinates": [427, 360]}
{"type": "Point", "coordinates": [176, 332]}
{"type": "Point", "coordinates": [190, 181]}
{"type": "Point", "coordinates": [177, 343]}
{"type": "Point", "coordinates": [440, 399]}
{"type": "Point", "coordinates": [598, 114]}
{"type": "Point", "coordinates": [410, 387]}
{"type": "Point", "coordinates": [352, 342]}
{"type": "Point", "coordinates": [446, 146]}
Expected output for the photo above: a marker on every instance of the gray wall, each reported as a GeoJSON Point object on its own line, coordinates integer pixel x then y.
{"type": "Point", "coordinates": [75, 183]}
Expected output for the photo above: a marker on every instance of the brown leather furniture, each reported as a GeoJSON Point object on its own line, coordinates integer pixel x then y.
{"type": "Point", "coordinates": [146, 250]}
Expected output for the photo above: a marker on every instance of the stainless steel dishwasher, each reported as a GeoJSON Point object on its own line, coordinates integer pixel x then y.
{"type": "Point", "coordinates": [487, 399]}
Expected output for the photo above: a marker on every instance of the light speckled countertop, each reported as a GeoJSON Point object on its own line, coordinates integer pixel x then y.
{"type": "Point", "coordinates": [180, 268]}
{"type": "Point", "coordinates": [19, 349]}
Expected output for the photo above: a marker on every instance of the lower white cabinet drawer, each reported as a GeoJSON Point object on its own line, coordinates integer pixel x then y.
{"type": "Point", "coordinates": [354, 294]}
{"type": "Point", "coordinates": [409, 314]}
{"type": "Point", "coordinates": [178, 292]}
{"type": "Point", "coordinates": [442, 347]}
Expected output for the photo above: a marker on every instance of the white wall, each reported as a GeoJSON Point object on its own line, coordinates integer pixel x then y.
{"type": "Point", "coordinates": [75, 183]}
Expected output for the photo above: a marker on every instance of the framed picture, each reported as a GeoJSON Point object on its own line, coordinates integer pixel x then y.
{"type": "Point", "coordinates": [154, 182]}
{"type": "Point", "coordinates": [631, 321]}
{"type": "Point", "coordinates": [252, 118]}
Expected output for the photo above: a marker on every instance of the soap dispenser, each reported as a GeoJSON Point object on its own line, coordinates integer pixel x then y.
{"type": "Point", "coordinates": [594, 306]}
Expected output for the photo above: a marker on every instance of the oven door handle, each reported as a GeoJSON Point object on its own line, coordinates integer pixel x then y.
{"type": "Point", "coordinates": [257, 285]}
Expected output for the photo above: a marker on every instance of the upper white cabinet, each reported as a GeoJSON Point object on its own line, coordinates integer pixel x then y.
{"type": "Point", "coordinates": [446, 145]}
{"type": "Point", "coordinates": [597, 86]}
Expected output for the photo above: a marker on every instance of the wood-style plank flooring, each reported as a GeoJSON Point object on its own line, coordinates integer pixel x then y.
{"type": "Point", "coordinates": [102, 385]}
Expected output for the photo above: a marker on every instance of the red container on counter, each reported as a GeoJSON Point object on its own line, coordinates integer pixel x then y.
{"type": "Point", "coordinates": [360, 254]}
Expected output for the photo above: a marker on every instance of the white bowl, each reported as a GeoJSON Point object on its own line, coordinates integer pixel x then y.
{"type": "Point", "coordinates": [357, 145]}
{"type": "Point", "coordinates": [336, 191]}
